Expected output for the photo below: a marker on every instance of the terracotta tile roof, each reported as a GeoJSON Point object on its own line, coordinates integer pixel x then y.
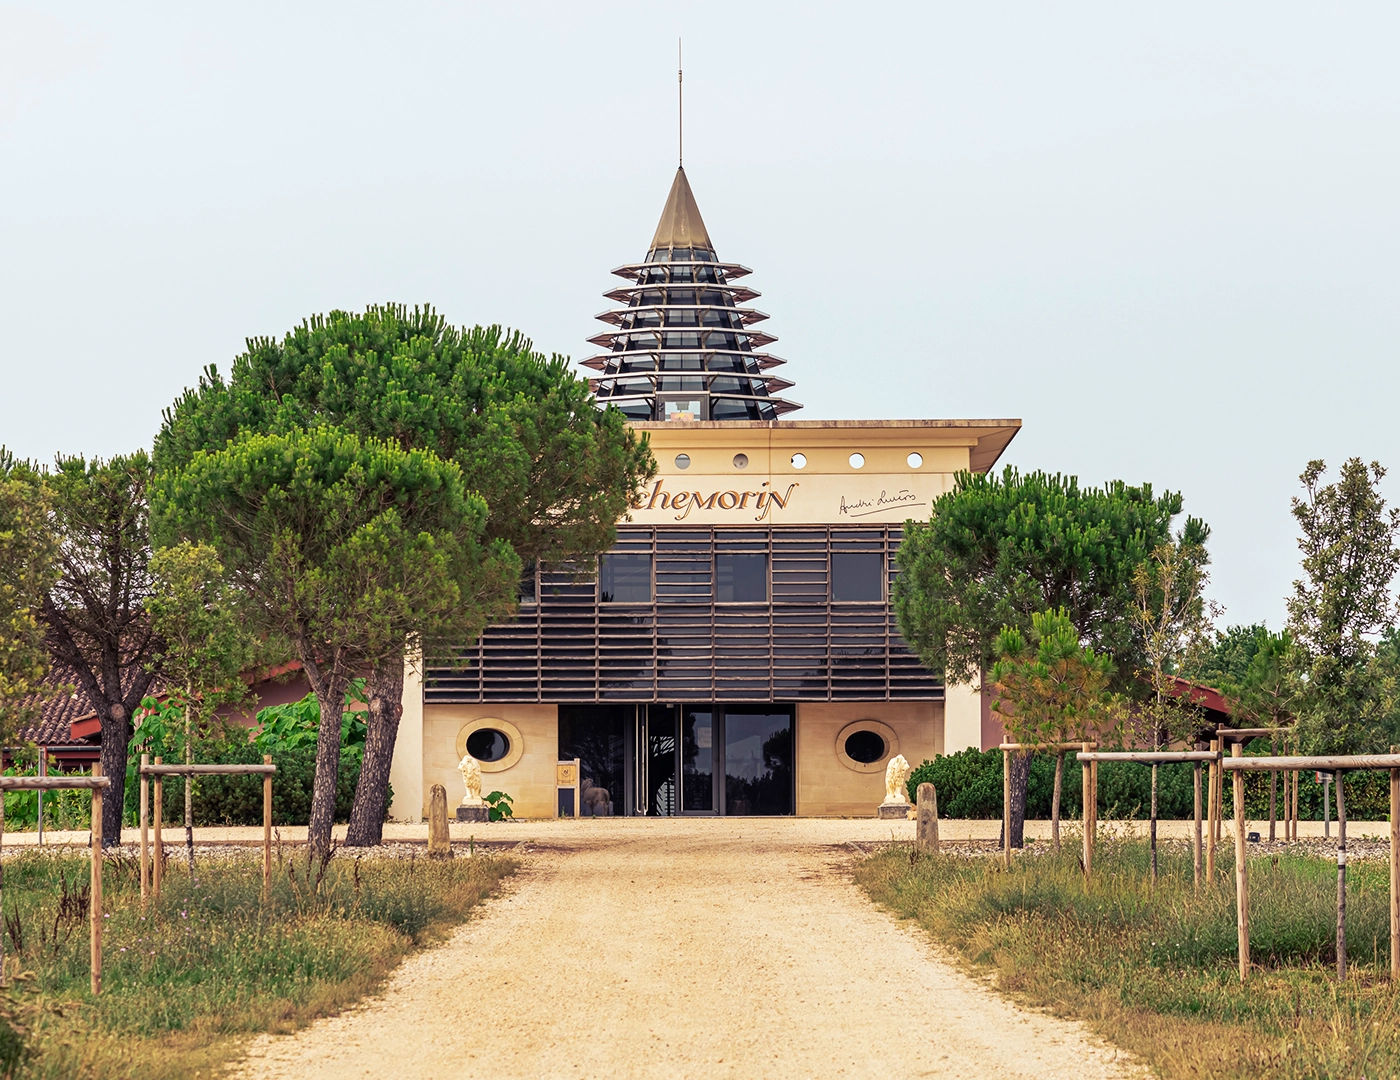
{"type": "Point", "coordinates": [68, 718]}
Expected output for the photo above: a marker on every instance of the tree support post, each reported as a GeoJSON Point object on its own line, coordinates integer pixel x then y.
{"type": "Point", "coordinates": [1341, 878]}
{"type": "Point", "coordinates": [1055, 798]}
{"type": "Point", "coordinates": [95, 904]}
{"type": "Point", "coordinates": [1006, 807]}
{"type": "Point", "coordinates": [1196, 819]}
{"type": "Point", "coordinates": [1210, 812]}
{"type": "Point", "coordinates": [1273, 794]}
{"type": "Point", "coordinates": [1241, 869]}
{"type": "Point", "coordinates": [145, 792]}
{"type": "Point", "coordinates": [158, 851]}
{"type": "Point", "coordinates": [1395, 870]}
{"type": "Point", "coordinates": [1088, 791]}
{"type": "Point", "coordinates": [267, 831]}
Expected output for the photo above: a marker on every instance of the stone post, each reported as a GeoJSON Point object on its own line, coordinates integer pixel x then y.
{"type": "Point", "coordinates": [439, 841]}
{"type": "Point", "coordinates": [926, 829]}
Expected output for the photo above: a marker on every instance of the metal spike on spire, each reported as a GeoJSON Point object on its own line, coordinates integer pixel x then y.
{"type": "Point", "coordinates": [680, 106]}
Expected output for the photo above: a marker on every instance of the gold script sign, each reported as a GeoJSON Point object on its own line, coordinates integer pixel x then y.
{"type": "Point", "coordinates": [760, 503]}
{"type": "Point", "coordinates": [568, 775]}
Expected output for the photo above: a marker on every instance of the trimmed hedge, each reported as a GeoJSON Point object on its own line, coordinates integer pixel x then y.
{"type": "Point", "coordinates": [969, 785]}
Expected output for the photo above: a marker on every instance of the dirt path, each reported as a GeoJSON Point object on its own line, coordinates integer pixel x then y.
{"type": "Point", "coordinates": [686, 949]}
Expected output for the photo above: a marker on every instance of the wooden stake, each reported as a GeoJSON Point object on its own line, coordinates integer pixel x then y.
{"type": "Point", "coordinates": [1341, 879]}
{"type": "Point", "coordinates": [1241, 870]}
{"type": "Point", "coordinates": [1196, 817]}
{"type": "Point", "coordinates": [95, 904]}
{"type": "Point", "coordinates": [1094, 806]}
{"type": "Point", "coordinates": [926, 819]}
{"type": "Point", "coordinates": [1088, 793]}
{"type": "Point", "coordinates": [1055, 799]}
{"type": "Point", "coordinates": [1006, 807]}
{"type": "Point", "coordinates": [267, 831]}
{"type": "Point", "coordinates": [159, 849]}
{"type": "Point", "coordinates": [3, 980]}
{"type": "Point", "coordinates": [145, 825]}
{"type": "Point", "coordinates": [1273, 794]}
{"type": "Point", "coordinates": [1210, 814]}
{"type": "Point", "coordinates": [1394, 872]}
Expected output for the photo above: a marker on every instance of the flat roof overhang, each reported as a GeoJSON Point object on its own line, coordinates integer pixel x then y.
{"type": "Point", "coordinates": [986, 440]}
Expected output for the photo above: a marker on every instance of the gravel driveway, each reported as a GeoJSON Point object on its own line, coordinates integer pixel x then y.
{"type": "Point", "coordinates": [684, 948]}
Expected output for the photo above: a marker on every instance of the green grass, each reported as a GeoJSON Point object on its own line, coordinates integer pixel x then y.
{"type": "Point", "coordinates": [1156, 972]}
{"type": "Point", "coordinates": [187, 980]}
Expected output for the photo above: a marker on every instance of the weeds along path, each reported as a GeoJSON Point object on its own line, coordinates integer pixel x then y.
{"type": "Point", "coordinates": [707, 948]}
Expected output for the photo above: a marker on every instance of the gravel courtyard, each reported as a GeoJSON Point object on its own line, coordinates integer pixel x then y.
{"type": "Point", "coordinates": [686, 948]}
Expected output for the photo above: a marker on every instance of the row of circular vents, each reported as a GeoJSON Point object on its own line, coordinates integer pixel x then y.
{"type": "Point", "coordinates": [799, 461]}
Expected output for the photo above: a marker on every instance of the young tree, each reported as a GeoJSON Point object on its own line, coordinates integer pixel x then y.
{"type": "Point", "coordinates": [556, 471]}
{"type": "Point", "coordinates": [342, 546]}
{"type": "Point", "coordinates": [205, 646]}
{"type": "Point", "coordinates": [998, 549]}
{"type": "Point", "coordinates": [27, 551]}
{"type": "Point", "coordinates": [1173, 620]}
{"type": "Point", "coordinates": [95, 619]}
{"type": "Point", "coordinates": [1050, 688]}
{"type": "Point", "coordinates": [1341, 605]}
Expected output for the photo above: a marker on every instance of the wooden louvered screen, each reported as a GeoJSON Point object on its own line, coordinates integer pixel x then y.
{"type": "Point", "coordinates": [683, 645]}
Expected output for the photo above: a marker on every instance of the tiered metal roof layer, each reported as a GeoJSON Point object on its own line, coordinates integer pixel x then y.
{"type": "Point", "coordinates": [682, 347]}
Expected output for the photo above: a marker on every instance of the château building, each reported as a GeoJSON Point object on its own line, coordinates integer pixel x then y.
{"type": "Point", "coordinates": [736, 651]}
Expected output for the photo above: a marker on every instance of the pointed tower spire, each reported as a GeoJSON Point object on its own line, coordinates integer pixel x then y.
{"type": "Point", "coordinates": [682, 347]}
{"type": "Point", "coordinates": [681, 225]}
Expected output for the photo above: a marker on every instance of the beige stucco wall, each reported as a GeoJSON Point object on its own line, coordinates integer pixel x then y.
{"type": "Point", "coordinates": [529, 782]}
{"type": "Point", "coordinates": [826, 787]}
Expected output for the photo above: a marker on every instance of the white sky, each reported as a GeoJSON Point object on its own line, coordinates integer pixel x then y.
{"type": "Point", "coordinates": [1165, 238]}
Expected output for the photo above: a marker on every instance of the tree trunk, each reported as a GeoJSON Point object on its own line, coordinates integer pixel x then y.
{"type": "Point", "coordinates": [1152, 827]}
{"type": "Point", "coordinates": [116, 736]}
{"type": "Point", "coordinates": [385, 692]}
{"type": "Point", "coordinates": [189, 780]}
{"type": "Point", "coordinates": [330, 696]}
{"type": "Point", "coordinates": [1020, 779]}
{"type": "Point", "coordinates": [1055, 800]}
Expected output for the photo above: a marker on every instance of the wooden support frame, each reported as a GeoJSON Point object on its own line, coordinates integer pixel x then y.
{"type": "Point", "coordinates": [159, 771]}
{"type": "Point", "coordinates": [1339, 765]}
{"type": "Point", "coordinates": [97, 784]}
{"type": "Point", "coordinates": [1060, 749]}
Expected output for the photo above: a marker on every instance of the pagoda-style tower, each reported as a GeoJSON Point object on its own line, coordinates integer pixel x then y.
{"type": "Point", "coordinates": [682, 348]}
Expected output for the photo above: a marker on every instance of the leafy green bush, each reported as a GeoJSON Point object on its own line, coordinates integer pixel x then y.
{"type": "Point", "coordinates": [287, 732]}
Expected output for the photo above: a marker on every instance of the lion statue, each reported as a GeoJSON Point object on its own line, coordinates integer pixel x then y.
{"type": "Point", "coordinates": [470, 769]}
{"type": "Point", "coordinates": [896, 775]}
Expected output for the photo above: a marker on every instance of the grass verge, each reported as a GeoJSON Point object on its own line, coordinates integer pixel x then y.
{"type": "Point", "coordinates": [1155, 972]}
{"type": "Point", "coordinates": [186, 980]}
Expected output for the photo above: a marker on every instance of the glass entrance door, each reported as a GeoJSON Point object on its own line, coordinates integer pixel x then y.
{"type": "Point", "coordinates": [699, 751]}
{"type": "Point", "coordinates": [732, 760]}
{"type": "Point", "coordinates": [758, 760]}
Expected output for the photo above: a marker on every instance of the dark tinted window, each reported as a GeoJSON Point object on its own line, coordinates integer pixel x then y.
{"type": "Point", "coordinates": [741, 577]}
{"type": "Point", "coordinates": [624, 578]}
{"type": "Point", "coordinates": [866, 747]}
{"type": "Point", "coordinates": [856, 576]}
{"type": "Point", "coordinates": [488, 744]}
{"type": "Point", "coordinates": [528, 594]}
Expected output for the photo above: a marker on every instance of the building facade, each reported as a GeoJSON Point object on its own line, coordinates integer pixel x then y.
{"type": "Point", "coordinates": [736, 652]}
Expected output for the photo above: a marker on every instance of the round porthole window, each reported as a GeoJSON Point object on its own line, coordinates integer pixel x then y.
{"type": "Point", "coordinates": [741, 461]}
{"type": "Point", "coordinates": [488, 744]}
{"type": "Point", "coordinates": [865, 746]}
{"type": "Point", "coordinates": [682, 461]}
{"type": "Point", "coordinates": [799, 461]}
{"type": "Point", "coordinates": [857, 461]}
{"type": "Point", "coordinates": [915, 460]}
{"type": "Point", "coordinates": [495, 742]}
